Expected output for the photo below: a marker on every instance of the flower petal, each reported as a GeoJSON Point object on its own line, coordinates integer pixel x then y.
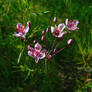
{"type": "Point", "coordinates": [66, 22]}
{"type": "Point", "coordinates": [36, 59]}
{"type": "Point", "coordinates": [61, 34]}
{"type": "Point", "coordinates": [52, 29]}
{"type": "Point", "coordinates": [30, 53]}
{"type": "Point", "coordinates": [38, 46]}
{"type": "Point", "coordinates": [61, 27]}
{"type": "Point", "coordinates": [42, 55]}
{"type": "Point", "coordinates": [44, 51]}
{"type": "Point", "coordinates": [29, 47]}
{"type": "Point", "coordinates": [18, 34]}
{"type": "Point", "coordinates": [69, 41]}
{"type": "Point", "coordinates": [76, 22]}
{"type": "Point", "coordinates": [74, 28]}
{"type": "Point", "coordinates": [19, 26]}
{"type": "Point", "coordinates": [26, 29]}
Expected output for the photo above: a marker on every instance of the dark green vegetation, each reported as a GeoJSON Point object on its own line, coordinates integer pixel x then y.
{"type": "Point", "coordinates": [66, 70]}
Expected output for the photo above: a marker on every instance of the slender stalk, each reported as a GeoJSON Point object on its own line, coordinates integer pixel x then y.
{"type": "Point", "coordinates": [20, 56]}
{"type": "Point", "coordinates": [46, 81]}
{"type": "Point", "coordinates": [53, 43]}
{"type": "Point", "coordinates": [59, 51]}
{"type": "Point", "coordinates": [46, 66]}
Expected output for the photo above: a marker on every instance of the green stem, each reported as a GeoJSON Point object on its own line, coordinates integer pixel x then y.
{"type": "Point", "coordinates": [20, 56]}
{"type": "Point", "coordinates": [46, 83]}
{"type": "Point", "coordinates": [46, 66]}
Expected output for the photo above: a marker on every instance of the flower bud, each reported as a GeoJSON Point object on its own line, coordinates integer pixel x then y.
{"type": "Point", "coordinates": [43, 32]}
{"type": "Point", "coordinates": [28, 47]}
{"type": "Point", "coordinates": [49, 57]}
{"type": "Point", "coordinates": [29, 24]}
{"type": "Point", "coordinates": [69, 41]}
{"type": "Point", "coordinates": [61, 38]}
{"type": "Point", "coordinates": [35, 41]}
{"type": "Point", "coordinates": [47, 30]}
{"type": "Point", "coordinates": [54, 51]}
{"type": "Point", "coordinates": [22, 39]}
{"type": "Point", "coordinates": [43, 38]}
{"type": "Point", "coordinates": [55, 19]}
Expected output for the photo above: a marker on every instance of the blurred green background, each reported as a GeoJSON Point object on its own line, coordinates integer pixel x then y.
{"type": "Point", "coordinates": [66, 70]}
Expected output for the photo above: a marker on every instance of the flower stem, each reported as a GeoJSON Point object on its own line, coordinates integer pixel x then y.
{"type": "Point", "coordinates": [59, 51]}
{"type": "Point", "coordinates": [53, 43]}
{"type": "Point", "coordinates": [20, 56]}
{"type": "Point", "coordinates": [46, 66]}
{"type": "Point", "coordinates": [46, 81]}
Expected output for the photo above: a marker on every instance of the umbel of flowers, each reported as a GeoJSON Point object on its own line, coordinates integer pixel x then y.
{"type": "Point", "coordinates": [58, 32]}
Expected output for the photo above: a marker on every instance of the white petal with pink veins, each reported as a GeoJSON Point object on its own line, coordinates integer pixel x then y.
{"type": "Point", "coordinates": [61, 27]}
{"type": "Point", "coordinates": [74, 28]}
{"type": "Point", "coordinates": [17, 34]}
{"type": "Point", "coordinates": [36, 59]}
{"type": "Point", "coordinates": [66, 22]}
{"type": "Point", "coordinates": [29, 47]}
{"type": "Point", "coordinates": [76, 22]}
{"type": "Point", "coordinates": [44, 51]}
{"type": "Point", "coordinates": [30, 53]}
{"type": "Point", "coordinates": [26, 29]}
{"type": "Point", "coordinates": [61, 34]}
{"type": "Point", "coordinates": [52, 29]}
{"type": "Point", "coordinates": [38, 46]}
{"type": "Point", "coordinates": [42, 55]}
{"type": "Point", "coordinates": [19, 25]}
{"type": "Point", "coordinates": [69, 41]}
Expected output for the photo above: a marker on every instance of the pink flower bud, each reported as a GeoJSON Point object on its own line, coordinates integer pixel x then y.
{"type": "Point", "coordinates": [43, 32]}
{"type": "Point", "coordinates": [35, 41]}
{"type": "Point", "coordinates": [54, 51]}
{"type": "Point", "coordinates": [22, 39]}
{"type": "Point", "coordinates": [43, 38]}
{"type": "Point", "coordinates": [28, 47]}
{"type": "Point", "coordinates": [61, 38]}
{"type": "Point", "coordinates": [69, 41]}
{"type": "Point", "coordinates": [55, 19]}
{"type": "Point", "coordinates": [47, 30]}
{"type": "Point", "coordinates": [49, 57]}
{"type": "Point", "coordinates": [29, 24]}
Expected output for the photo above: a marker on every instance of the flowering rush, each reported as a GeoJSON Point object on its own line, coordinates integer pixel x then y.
{"type": "Point", "coordinates": [57, 31]}
{"type": "Point", "coordinates": [71, 25]}
{"type": "Point", "coordinates": [21, 32]}
{"type": "Point", "coordinates": [36, 52]}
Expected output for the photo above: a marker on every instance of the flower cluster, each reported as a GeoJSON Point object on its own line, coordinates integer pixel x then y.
{"type": "Point", "coordinates": [57, 31]}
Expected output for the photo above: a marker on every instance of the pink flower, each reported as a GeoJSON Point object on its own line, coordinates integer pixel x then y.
{"type": "Point", "coordinates": [55, 19]}
{"type": "Point", "coordinates": [57, 31]}
{"type": "Point", "coordinates": [21, 32]}
{"type": "Point", "coordinates": [71, 25]}
{"type": "Point", "coordinates": [36, 52]}
{"type": "Point", "coordinates": [69, 41]}
{"type": "Point", "coordinates": [43, 38]}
